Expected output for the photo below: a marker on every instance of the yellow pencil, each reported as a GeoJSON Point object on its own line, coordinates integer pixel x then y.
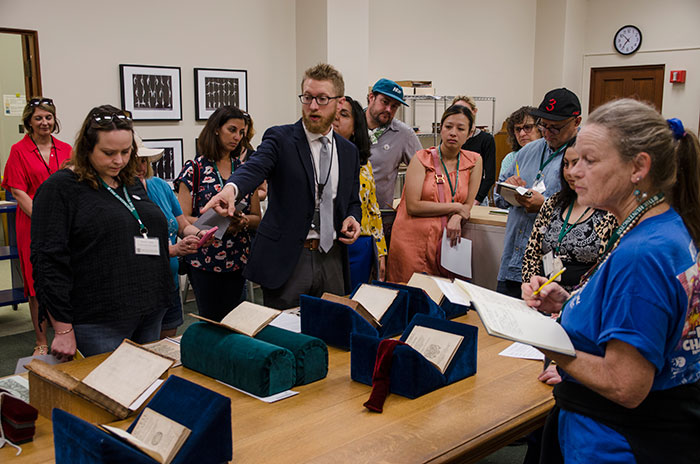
{"type": "Point", "coordinates": [549, 281]}
{"type": "Point", "coordinates": [517, 168]}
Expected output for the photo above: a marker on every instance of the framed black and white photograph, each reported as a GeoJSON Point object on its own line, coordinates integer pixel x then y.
{"type": "Point", "coordinates": [151, 93]}
{"type": "Point", "coordinates": [170, 165]}
{"type": "Point", "coordinates": [214, 88]}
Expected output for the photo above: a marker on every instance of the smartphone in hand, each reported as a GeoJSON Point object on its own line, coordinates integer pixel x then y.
{"type": "Point", "coordinates": [205, 238]}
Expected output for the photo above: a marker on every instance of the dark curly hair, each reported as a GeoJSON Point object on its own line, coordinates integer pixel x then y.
{"type": "Point", "coordinates": [517, 117]}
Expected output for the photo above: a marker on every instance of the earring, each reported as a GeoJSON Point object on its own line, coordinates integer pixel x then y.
{"type": "Point", "coordinates": [216, 133]}
{"type": "Point", "coordinates": [638, 194]}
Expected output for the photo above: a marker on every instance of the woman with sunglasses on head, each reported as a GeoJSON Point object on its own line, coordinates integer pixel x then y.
{"type": "Point", "coordinates": [32, 160]}
{"type": "Point", "coordinates": [99, 245]}
{"type": "Point", "coordinates": [370, 246]}
{"type": "Point", "coordinates": [216, 270]}
{"type": "Point", "coordinates": [441, 184]}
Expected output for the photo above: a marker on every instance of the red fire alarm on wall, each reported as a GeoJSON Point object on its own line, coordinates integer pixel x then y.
{"type": "Point", "coordinates": [677, 77]}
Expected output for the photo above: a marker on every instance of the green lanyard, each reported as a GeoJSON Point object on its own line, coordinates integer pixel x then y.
{"type": "Point", "coordinates": [544, 163]}
{"type": "Point", "coordinates": [129, 205]}
{"type": "Point", "coordinates": [453, 190]}
{"type": "Point", "coordinates": [218, 175]}
{"type": "Point", "coordinates": [567, 227]}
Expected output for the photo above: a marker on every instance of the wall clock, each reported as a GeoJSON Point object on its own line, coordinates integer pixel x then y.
{"type": "Point", "coordinates": [627, 40]}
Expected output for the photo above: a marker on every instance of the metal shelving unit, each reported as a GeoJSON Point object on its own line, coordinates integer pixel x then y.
{"type": "Point", "coordinates": [442, 102]}
{"type": "Point", "coordinates": [15, 295]}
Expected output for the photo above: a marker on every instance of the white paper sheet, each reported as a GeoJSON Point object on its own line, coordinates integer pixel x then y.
{"type": "Point", "coordinates": [458, 258]}
{"type": "Point", "coordinates": [267, 399]}
{"type": "Point", "coordinates": [523, 351]}
{"type": "Point", "coordinates": [288, 321]}
{"type": "Point", "coordinates": [144, 396]}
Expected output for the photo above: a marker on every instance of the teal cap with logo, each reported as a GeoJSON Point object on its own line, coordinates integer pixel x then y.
{"type": "Point", "coordinates": [390, 89]}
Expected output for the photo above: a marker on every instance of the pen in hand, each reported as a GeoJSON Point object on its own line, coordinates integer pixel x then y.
{"type": "Point", "coordinates": [552, 279]}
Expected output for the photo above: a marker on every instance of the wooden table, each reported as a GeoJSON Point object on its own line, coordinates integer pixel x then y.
{"type": "Point", "coordinates": [487, 231]}
{"type": "Point", "coordinates": [326, 422]}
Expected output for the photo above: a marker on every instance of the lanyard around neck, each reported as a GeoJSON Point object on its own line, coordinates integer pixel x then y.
{"type": "Point", "coordinates": [129, 205]}
{"type": "Point", "coordinates": [447, 174]}
{"type": "Point", "coordinates": [218, 175]}
{"type": "Point", "coordinates": [566, 228]}
{"type": "Point", "coordinates": [544, 163]}
{"type": "Point", "coordinates": [53, 150]}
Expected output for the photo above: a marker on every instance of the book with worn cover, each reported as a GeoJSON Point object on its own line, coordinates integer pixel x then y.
{"type": "Point", "coordinates": [508, 191]}
{"type": "Point", "coordinates": [117, 384]}
{"type": "Point", "coordinates": [246, 318]}
{"type": "Point", "coordinates": [356, 305]}
{"type": "Point", "coordinates": [429, 285]}
{"type": "Point", "coordinates": [436, 346]}
{"type": "Point", "coordinates": [154, 434]}
{"type": "Point", "coordinates": [513, 319]}
{"type": "Point", "coordinates": [376, 300]}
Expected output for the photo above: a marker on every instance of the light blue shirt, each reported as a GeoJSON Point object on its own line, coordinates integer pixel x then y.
{"type": "Point", "coordinates": [520, 222]}
{"type": "Point", "coordinates": [162, 195]}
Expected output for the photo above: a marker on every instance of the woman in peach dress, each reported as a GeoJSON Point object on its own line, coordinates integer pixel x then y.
{"type": "Point", "coordinates": [437, 195]}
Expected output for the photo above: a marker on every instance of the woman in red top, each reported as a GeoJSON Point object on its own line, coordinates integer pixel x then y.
{"type": "Point", "coordinates": [32, 160]}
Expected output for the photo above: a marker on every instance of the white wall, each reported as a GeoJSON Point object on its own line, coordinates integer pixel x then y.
{"type": "Point", "coordinates": [83, 42]}
{"type": "Point", "coordinates": [464, 47]}
{"type": "Point", "coordinates": [670, 36]}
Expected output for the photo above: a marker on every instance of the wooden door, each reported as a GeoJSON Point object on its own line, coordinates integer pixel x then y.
{"type": "Point", "coordinates": [645, 83]}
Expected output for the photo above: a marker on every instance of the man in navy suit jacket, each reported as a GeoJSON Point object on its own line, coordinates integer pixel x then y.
{"type": "Point", "coordinates": [285, 257]}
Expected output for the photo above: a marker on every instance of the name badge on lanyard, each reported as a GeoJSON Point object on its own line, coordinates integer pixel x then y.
{"type": "Point", "coordinates": [551, 265]}
{"type": "Point", "coordinates": [142, 245]}
{"type": "Point", "coordinates": [147, 246]}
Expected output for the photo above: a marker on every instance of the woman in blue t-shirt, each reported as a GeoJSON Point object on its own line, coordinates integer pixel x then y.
{"type": "Point", "coordinates": [162, 195]}
{"type": "Point", "coordinates": [632, 393]}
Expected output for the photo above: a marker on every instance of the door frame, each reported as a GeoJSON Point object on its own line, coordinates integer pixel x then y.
{"type": "Point", "coordinates": [30, 57]}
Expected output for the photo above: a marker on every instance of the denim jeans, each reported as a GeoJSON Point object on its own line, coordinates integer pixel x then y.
{"type": "Point", "coordinates": [102, 337]}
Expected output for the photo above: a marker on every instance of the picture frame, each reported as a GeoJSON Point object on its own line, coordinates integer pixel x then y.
{"type": "Point", "coordinates": [151, 93]}
{"type": "Point", "coordinates": [170, 165]}
{"type": "Point", "coordinates": [214, 88]}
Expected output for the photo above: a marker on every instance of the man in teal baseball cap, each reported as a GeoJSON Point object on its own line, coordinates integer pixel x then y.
{"type": "Point", "coordinates": [392, 143]}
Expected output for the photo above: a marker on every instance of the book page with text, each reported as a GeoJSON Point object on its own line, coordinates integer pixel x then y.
{"type": "Point", "coordinates": [436, 346]}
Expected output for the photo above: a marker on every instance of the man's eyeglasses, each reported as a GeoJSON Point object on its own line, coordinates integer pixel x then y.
{"type": "Point", "coordinates": [524, 127]}
{"type": "Point", "coordinates": [321, 100]}
{"type": "Point", "coordinates": [554, 130]}
{"type": "Point", "coordinates": [106, 119]}
{"type": "Point", "coordinates": [40, 101]}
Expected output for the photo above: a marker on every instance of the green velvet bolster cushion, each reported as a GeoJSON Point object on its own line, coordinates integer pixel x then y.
{"type": "Point", "coordinates": [311, 353]}
{"type": "Point", "coordinates": [255, 366]}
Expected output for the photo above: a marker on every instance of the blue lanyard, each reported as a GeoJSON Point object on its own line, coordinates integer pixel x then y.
{"type": "Point", "coordinates": [129, 205]}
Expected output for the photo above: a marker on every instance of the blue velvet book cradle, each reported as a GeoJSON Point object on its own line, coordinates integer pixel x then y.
{"type": "Point", "coordinates": [335, 322]}
{"type": "Point", "coordinates": [206, 413]}
{"type": "Point", "coordinates": [418, 299]}
{"type": "Point", "coordinates": [411, 374]}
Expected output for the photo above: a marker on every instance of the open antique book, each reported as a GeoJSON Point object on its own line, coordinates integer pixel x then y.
{"type": "Point", "coordinates": [512, 319]}
{"type": "Point", "coordinates": [369, 301]}
{"type": "Point", "coordinates": [156, 435]}
{"type": "Point", "coordinates": [118, 384]}
{"type": "Point", "coordinates": [436, 346]}
{"type": "Point", "coordinates": [429, 285]}
{"type": "Point", "coordinates": [246, 318]}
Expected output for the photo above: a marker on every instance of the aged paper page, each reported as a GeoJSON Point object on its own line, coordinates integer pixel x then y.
{"type": "Point", "coordinates": [428, 284]}
{"type": "Point", "coordinates": [249, 318]}
{"type": "Point", "coordinates": [127, 373]}
{"type": "Point", "coordinates": [437, 346]}
{"type": "Point", "coordinates": [161, 434]}
{"type": "Point", "coordinates": [376, 300]}
{"type": "Point", "coordinates": [168, 348]}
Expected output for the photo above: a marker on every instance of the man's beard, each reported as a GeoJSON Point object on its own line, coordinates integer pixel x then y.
{"type": "Point", "coordinates": [318, 127]}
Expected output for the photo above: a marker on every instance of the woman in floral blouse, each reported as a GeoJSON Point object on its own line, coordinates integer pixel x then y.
{"type": "Point", "coordinates": [216, 271]}
{"type": "Point", "coordinates": [350, 122]}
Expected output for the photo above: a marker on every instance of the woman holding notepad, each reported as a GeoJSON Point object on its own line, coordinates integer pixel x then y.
{"type": "Point", "coordinates": [441, 184]}
{"type": "Point", "coordinates": [632, 392]}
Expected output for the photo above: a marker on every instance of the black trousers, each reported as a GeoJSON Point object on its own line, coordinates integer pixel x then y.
{"type": "Point", "coordinates": [217, 293]}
